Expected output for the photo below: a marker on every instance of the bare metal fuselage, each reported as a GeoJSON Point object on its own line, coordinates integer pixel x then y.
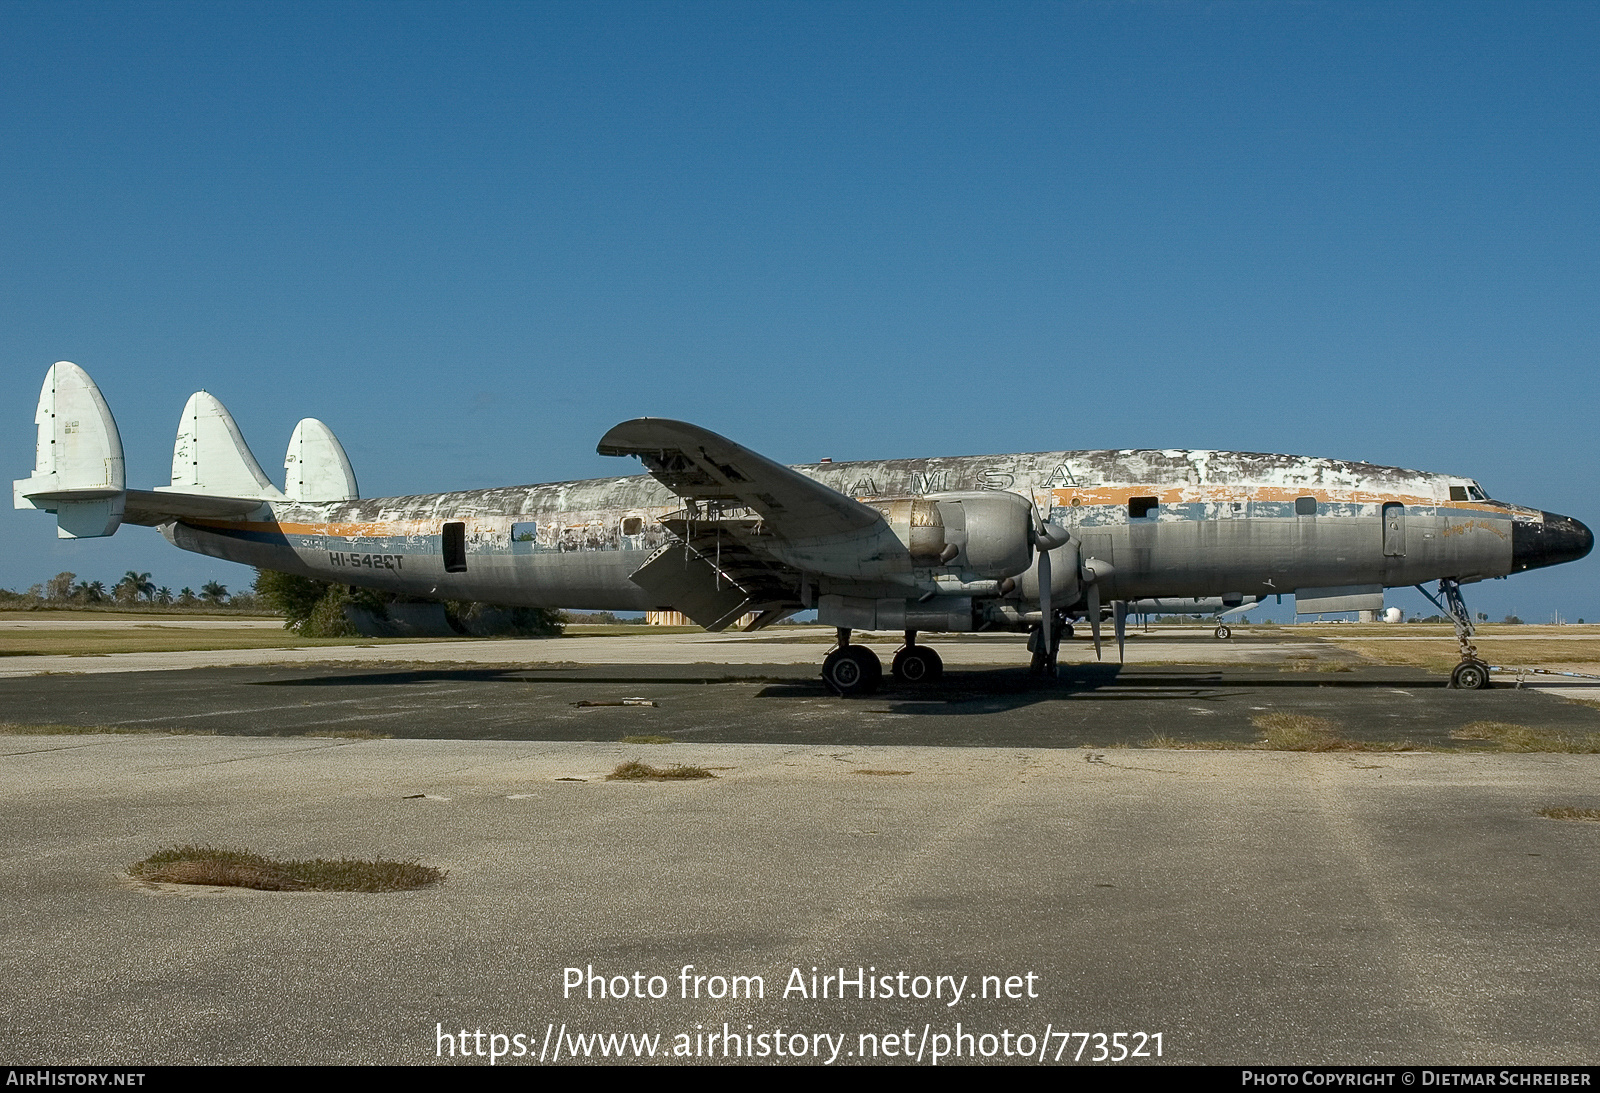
{"type": "Point", "coordinates": [1170, 523]}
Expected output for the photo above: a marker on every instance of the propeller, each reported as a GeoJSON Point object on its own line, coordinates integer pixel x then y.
{"type": "Point", "coordinates": [1094, 617]}
{"type": "Point", "coordinates": [1093, 572]}
{"type": "Point", "coordinates": [1046, 537]}
{"type": "Point", "coordinates": [1119, 615]}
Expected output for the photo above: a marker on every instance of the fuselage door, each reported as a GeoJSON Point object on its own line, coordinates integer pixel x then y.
{"type": "Point", "coordinates": [1394, 530]}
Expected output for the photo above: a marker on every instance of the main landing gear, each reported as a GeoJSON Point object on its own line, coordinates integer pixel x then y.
{"type": "Point", "coordinates": [856, 670]}
{"type": "Point", "coordinates": [1472, 674]}
{"type": "Point", "coordinates": [1044, 659]}
{"type": "Point", "coordinates": [1223, 632]}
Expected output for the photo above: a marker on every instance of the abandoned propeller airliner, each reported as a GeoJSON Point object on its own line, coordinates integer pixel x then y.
{"type": "Point", "coordinates": [1012, 542]}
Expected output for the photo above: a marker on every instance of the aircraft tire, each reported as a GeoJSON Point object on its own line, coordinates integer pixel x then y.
{"type": "Point", "coordinates": [1470, 675]}
{"type": "Point", "coordinates": [917, 665]}
{"type": "Point", "coordinates": [1066, 632]}
{"type": "Point", "coordinates": [853, 670]}
{"type": "Point", "coordinates": [1223, 633]}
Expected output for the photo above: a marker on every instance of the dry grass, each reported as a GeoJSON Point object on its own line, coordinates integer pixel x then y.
{"type": "Point", "coordinates": [1284, 732]}
{"type": "Point", "coordinates": [162, 639]}
{"type": "Point", "coordinates": [636, 770]}
{"type": "Point", "coordinates": [243, 869]}
{"type": "Point", "coordinates": [1192, 745]}
{"type": "Point", "coordinates": [880, 772]}
{"type": "Point", "coordinates": [647, 739]}
{"type": "Point", "coordinates": [1303, 732]}
{"type": "Point", "coordinates": [1570, 813]}
{"type": "Point", "coordinates": [15, 729]}
{"type": "Point", "coordinates": [1509, 737]}
{"type": "Point", "coordinates": [1445, 655]}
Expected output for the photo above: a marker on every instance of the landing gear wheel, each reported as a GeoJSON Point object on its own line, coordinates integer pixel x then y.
{"type": "Point", "coordinates": [853, 670]}
{"type": "Point", "coordinates": [1066, 632]}
{"type": "Point", "coordinates": [917, 664]}
{"type": "Point", "coordinates": [1470, 675]}
{"type": "Point", "coordinates": [1222, 632]}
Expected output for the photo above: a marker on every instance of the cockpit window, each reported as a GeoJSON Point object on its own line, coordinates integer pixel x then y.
{"type": "Point", "coordinates": [1458, 493]}
{"type": "Point", "coordinates": [1474, 493]}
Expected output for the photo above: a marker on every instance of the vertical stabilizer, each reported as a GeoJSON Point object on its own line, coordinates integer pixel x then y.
{"type": "Point", "coordinates": [315, 468]}
{"type": "Point", "coordinates": [78, 468]}
{"type": "Point", "coordinates": [211, 457]}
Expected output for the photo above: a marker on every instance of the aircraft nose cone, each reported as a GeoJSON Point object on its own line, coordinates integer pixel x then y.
{"type": "Point", "coordinates": [1551, 540]}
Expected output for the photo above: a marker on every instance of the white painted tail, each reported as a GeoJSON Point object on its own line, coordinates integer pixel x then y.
{"type": "Point", "coordinates": [210, 457]}
{"type": "Point", "coordinates": [315, 468]}
{"type": "Point", "coordinates": [78, 466]}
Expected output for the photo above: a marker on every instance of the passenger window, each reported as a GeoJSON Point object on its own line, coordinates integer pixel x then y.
{"type": "Point", "coordinates": [632, 525]}
{"type": "Point", "coordinates": [1140, 508]}
{"type": "Point", "coordinates": [453, 544]}
{"type": "Point", "coordinates": [1305, 506]}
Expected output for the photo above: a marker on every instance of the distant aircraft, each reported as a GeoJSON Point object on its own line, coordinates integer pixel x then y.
{"type": "Point", "coordinates": [997, 543]}
{"type": "Point", "coordinates": [1221, 607]}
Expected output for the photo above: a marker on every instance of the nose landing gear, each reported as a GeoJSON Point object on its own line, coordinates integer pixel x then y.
{"type": "Point", "coordinates": [1472, 674]}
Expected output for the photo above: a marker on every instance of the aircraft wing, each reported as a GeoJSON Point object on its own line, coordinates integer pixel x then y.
{"type": "Point", "coordinates": [698, 465]}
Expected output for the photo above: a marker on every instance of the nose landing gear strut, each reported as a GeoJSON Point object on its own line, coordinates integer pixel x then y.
{"type": "Point", "coordinates": [1472, 674]}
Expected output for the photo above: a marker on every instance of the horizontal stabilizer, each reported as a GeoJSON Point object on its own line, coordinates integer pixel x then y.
{"type": "Point", "coordinates": [315, 468]}
{"type": "Point", "coordinates": [210, 456]}
{"type": "Point", "coordinates": [151, 509]}
{"type": "Point", "coordinates": [78, 467]}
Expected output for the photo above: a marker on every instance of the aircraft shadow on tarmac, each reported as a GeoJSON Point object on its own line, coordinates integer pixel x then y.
{"type": "Point", "coordinates": [961, 692]}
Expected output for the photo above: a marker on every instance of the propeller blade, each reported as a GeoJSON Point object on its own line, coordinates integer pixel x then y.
{"type": "Point", "coordinates": [1119, 615]}
{"type": "Point", "coordinates": [1094, 617]}
{"type": "Point", "coordinates": [1044, 596]}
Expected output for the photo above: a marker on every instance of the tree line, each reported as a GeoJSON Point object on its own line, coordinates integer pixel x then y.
{"type": "Point", "coordinates": [67, 589]}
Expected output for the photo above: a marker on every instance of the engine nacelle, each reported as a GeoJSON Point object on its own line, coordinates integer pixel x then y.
{"type": "Point", "coordinates": [987, 534]}
{"type": "Point", "coordinates": [993, 529]}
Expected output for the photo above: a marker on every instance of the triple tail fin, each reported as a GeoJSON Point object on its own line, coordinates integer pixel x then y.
{"type": "Point", "coordinates": [315, 467]}
{"type": "Point", "coordinates": [79, 474]}
{"type": "Point", "coordinates": [78, 469]}
{"type": "Point", "coordinates": [210, 457]}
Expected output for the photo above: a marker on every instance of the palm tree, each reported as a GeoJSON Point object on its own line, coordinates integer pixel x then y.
{"type": "Point", "coordinates": [140, 583]}
{"type": "Point", "coordinates": [213, 592]}
{"type": "Point", "coordinates": [162, 595]}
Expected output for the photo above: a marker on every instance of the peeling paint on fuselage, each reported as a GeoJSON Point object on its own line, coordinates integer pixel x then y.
{"type": "Point", "coordinates": [1220, 523]}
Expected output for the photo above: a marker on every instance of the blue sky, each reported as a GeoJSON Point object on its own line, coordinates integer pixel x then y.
{"type": "Point", "coordinates": [471, 237]}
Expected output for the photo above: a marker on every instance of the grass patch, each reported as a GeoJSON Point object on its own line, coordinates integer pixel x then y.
{"type": "Point", "coordinates": [1283, 732]}
{"type": "Point", "coordinates": [1511, 737]}
{"type": "Point", "coordinates": [16, 729]}
{"type": "Point", "coordinates": [243, 869]}
{"type": "Point", "coordinates": [1570, 813]}
{"type": "Point", "coordinates": [1304, 732]}
{"type": "Point", "coordinates": [1191, 745]}
{"type": "Point", "coordinates": [636, 770]}
{"type": "Point", "coordinates": [648, 739]}
{"type": "Point", "coordinates": [168, 639]}
{"type": "Point", "coordinates": [1444, 655]}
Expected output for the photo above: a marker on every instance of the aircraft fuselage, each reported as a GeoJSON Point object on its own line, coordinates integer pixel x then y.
{"type": "Point", "coordinates": [1170, 523]}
